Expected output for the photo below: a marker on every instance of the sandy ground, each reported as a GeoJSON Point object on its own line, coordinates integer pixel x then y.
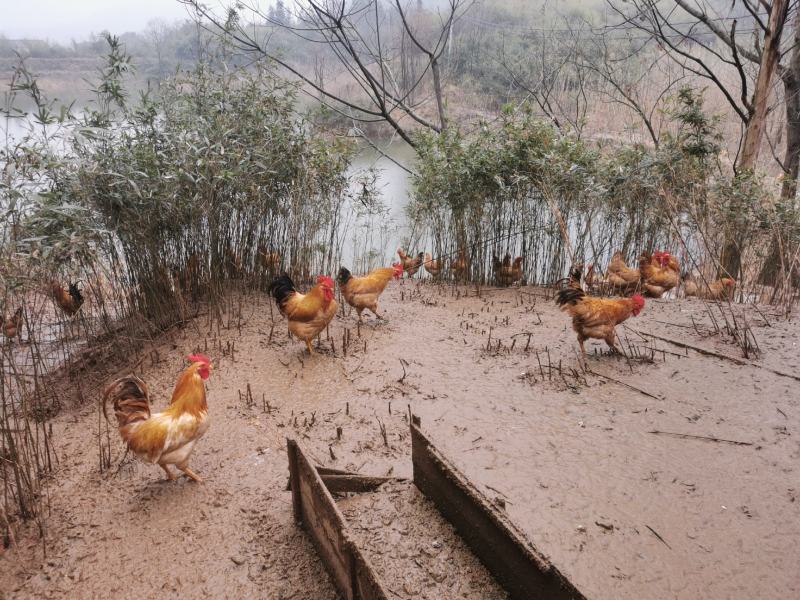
{"type": "Point", "coordinates": [624, 513]}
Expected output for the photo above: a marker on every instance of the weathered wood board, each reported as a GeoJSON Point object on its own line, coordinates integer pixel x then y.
{"type": "Point", "coordinates": [523, 571]}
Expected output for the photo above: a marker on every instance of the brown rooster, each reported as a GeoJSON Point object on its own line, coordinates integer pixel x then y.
{"type": "Point", "coordinates": [505, 273]}
{"type": "Point", "coordinates": [363, 292]}
{"type": "Point", "coordinates": [165, 438]}
{"type": "Point", "coordinates": [660, 273]}
{"type": "Point", "coordinates": [573, 280]}
{"type": "Point", "coordinates": [597, 317]}
{"type": "Point", "coordinates": [308, 313]}
{"type": "Point", "coordinates": [69, 300]}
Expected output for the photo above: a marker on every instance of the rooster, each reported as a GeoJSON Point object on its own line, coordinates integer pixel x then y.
{"type": "Point", "coordinates": [363, 292]}
{"type": "Point", "coordinates": [597, 317]}
{"type": "Point", "coordinates": [621, 277]}
{"type": "Point", "coordinates": [12, 327]}
{"type": "Point", "coordinates": [434, 267]}
{"type": "Point", "coordinates": [410, 265]}
{"type": "Point", "coordinates": [505, 273]}
{"type": "Point", "coordinates": [660, 273]}
{"type": "Point", "coordinates": [69, 300]}
{"type": "Point", "coordinates": [165, 438]}
{"type": "Point", "coordinates": [309, 313]}
{"type": "Point", "coordinates": [573, 280]}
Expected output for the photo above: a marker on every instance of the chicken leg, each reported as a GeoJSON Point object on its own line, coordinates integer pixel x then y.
{"type": "Point", "coordinates": [310, 349]}
{"type": "Point", "coordinates": [611, 341]}
{"type": "Point", "coordinates": [170, 474]}
{"type": "Point", "coordinates": [190, 474]}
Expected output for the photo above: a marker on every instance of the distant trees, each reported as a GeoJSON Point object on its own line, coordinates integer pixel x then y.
{"type": "Point", "coordinates": [739, 49]}
{"type": "Point", "coordinates": [157, 50]}
{"type": "Point", "coordinates": [390, 56]}
{"type": "Point", "coordinates": [278, 14]}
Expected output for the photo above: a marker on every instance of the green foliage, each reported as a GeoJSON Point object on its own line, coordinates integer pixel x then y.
{"type": "Point", "coordinates": [207, 172]}
{"type": "Point", "coordinates": [535, 189]}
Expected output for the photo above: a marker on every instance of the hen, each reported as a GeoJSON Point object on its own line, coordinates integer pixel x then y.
{"type": "Point", "coordinates": [621, 277]}
{"type": "Point", "coordinates": [270, 262]}
{"type": "Point", "coordinates": [69, 300]}
{"type": "Point", "coordinates": [165, 438]}
{"type": "Point", "coordinates": [593, 278]}
{"type": "Point", "coordinates": [717, 290]}
{"type": "Point", "coordinates": [460, 266]}
{"type": "Point", "coordinates": [309, 313]}
{"type": "Point", "coordinates": [410, 265]}
{"type": "Point", "coordinates": [434, 267]}
{"type": "Point", "coordinates": [363, 292]}
{"type": "Point", "coordinates": [505, 273]}
{"type": "Point", "coordinates": [597, 317]}
{"type": "Point", "coordinates": [660, 273]}
{"type": "Point", "coordinates": [12, 327]}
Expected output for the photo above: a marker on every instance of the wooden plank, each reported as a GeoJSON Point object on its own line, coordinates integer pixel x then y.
{"type": "Point", "coordinates": [521, 569]}
{"type": "Point", "coordinates": [321, 519]}
{"type": "Point", "coordinates": [292, 451]}
{"type": "Point", "coordinates": [352, 573]}
{"type": "Point", "coordinates": [365, 581]}
{"type": "Point", "coordinates": [354, 483]}
{"type": "Point", "coordinates": [339, 482]}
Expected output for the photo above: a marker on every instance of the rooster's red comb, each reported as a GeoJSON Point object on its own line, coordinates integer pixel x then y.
{"type": "Point", "coordinates": [199, 358]}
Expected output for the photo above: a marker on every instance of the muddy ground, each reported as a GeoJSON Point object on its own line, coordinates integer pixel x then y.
{"type": "Point", "coordinates": [622, 511]}
{"type": "Point", "coordinates": [414, 551]}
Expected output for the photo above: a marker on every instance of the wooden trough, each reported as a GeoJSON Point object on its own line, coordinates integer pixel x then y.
{"type": "Point", "coordinates": [508, 555]}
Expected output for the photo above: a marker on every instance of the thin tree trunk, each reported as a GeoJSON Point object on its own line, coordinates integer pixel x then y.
{"type": "Point", "coordinates": [769, 63]}
{"type": "Point", "coordinates": [731, 259]}
{"type": "Point", "coordinates": [791, 162]}
{"type": "Point", "coordinates": [437, 89]}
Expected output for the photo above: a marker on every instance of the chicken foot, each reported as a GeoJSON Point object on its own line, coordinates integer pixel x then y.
{"type": "Point", "coordinates": [190, 474]}
{"type": "Point", "coordinates": [170, 474]}
{"type": "Point", "coordinates": [611, 344]}
{"type": "Point", "coordinates": [374, 311]}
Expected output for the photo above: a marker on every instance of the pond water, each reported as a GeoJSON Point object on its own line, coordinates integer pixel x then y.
{"type": "Point", "coordinates": [372, 240]}
{"type": "Point", "coordinates": [371, 237]}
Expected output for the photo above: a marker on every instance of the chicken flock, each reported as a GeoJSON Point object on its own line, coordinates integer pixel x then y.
{"type": "Point", "coordinates": [168, 438]}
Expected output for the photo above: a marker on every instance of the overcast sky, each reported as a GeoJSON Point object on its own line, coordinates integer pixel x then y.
{"type": "Point", "coordinates": [64, 20]}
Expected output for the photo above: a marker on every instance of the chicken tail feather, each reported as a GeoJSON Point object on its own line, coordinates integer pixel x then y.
{"type": "Point", "coordinates": [282, 288]}
{"type": "Point", "coordinates": [130, 400]}
{"type": "Point", "coordinates": [570, 296]}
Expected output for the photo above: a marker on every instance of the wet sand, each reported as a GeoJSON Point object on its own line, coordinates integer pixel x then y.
{"type": "Point", "coordinates": [414, 550]}
{"type": "Point", "coordinates": [622, 512]}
